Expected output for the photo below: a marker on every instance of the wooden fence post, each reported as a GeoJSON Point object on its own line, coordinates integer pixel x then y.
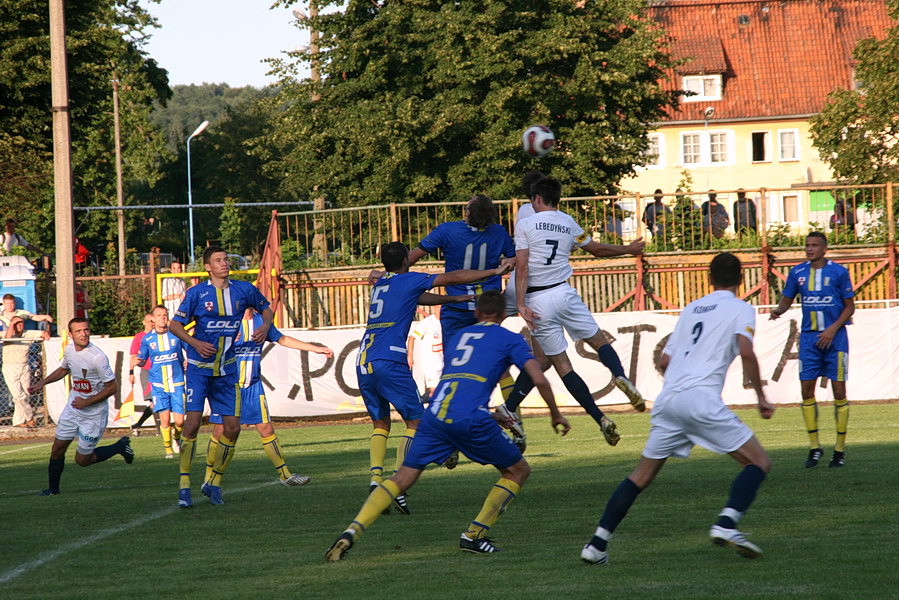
{"type": "Point", "coordinates": [891, 241]}
{"type": "Point", "coordinates": [394, 228]}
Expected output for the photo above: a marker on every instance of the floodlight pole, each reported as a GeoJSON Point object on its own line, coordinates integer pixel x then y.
{"type": "Point", "coordinates": [190, 198]}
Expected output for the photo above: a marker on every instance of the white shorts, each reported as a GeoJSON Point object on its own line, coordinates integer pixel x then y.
{"type": "Point", "coordinates": [87, 428]}
{"type": "Point", "coordinates": [560, 309]}
{"type": "Point", "coordinates": [693, 417]}
{"type": "Point", "coordinates": [510, 296]}
{"type": "Point", "coordinates": [432, 375]}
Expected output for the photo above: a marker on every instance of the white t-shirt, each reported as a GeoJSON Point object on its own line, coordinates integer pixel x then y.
{"type": "Point", "coordinates": [525, 211]}
{"type": "Point", "coordinates": [549, 236]}
{"type": "Point", "coordinates": [8, 242]}
{"type": "Point", "coordinates": [427, 353]}
{"type": "Point", "coordinates": [172, 286]}
{"type": "Point", "coordinates": [90, 371]}
{"type": "Point", "coordinates": [704, 341]}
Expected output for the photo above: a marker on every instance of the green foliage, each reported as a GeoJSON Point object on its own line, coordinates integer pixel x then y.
{"type": "Point", "coordinates": [229, 227]}
{"type": "Point", "coordinates": [119, 306]}
{"type": "Point", "coordinates": [104, 40]}
{"type": "Point", "coordinates": [427, 100]}
{"type": "Point", "coordinates": [857, 132]}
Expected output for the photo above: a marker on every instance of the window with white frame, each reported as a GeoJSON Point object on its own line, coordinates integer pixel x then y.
{"type": "Point", "coordinates": [760, 150]}
{"type": "Point", "coordinates": [655, 151]}
{"type": "Point", "coordinates": [707, 148]}
{"type": "Point", "coordinates": [691, 144]}
{"type": "Point", "coordinates": [703, 87]}
{"type": "Point", "coordinates": [718, 147]}
{"type": "Point", "coordinates": [788, 142]}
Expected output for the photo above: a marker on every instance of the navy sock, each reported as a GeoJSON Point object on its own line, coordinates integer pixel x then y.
{"type": "Point", "coordinates": [742, 493]}
{"type": "Point", "coordinates": [146, 415]}
{"type": "Point", "coordinates": [609, 358]}
{"type": "Point", "coordinates": [523, 386]}
{"type": "Point", "coordinates": [54, 472]}
{"type": "Point", "coordinates": [580, 391]}
{"type": "Point", "coordinates": [616, 509]}
{"type": "Point", "coordinates": [104, 452]}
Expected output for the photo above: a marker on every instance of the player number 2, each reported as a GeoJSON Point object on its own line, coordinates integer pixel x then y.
{"type": "Point", "coordinates": [697, 331]}
{"type": "Point", "coordinates": [555, 245]}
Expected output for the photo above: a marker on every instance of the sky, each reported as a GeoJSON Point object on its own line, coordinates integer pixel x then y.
{"type": "Point", "coordinates": [220, 41]}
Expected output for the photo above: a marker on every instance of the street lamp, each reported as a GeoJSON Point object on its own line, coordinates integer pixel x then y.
{"type": "Point", "coordinates": [190, 199]}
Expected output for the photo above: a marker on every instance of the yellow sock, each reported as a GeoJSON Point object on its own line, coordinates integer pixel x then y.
{"type": "Point", "coordinates": [176, 432]}
{"type": "Point", "coordinates": [222, 459]}
{"type": "Point", "coordinates": [841, 412]}
{"type": "Point", "coordinates": [166, 439]}
{"type": "Point", "coordinates": [401, 450]}
{"type": "Point", "coordinates": [505, 386]}
{"type": "Point", "coordinates": [187, 455]}
{"type": "Point", "coordinates": [273, 451]}
{"type": "Point", "coordinates": [377, 452]}
{"type": "Point", "coordinates": [503, 492]}
{"type": "Point", "coordinates": [810, 414]}
{"type": "Point", "coordinates": [374, 506]}
{"type": "Point", "coordinates": [211, 448]}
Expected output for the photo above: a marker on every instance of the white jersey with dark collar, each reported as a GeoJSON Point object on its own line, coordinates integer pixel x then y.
{"type": "Point", "coordinates": [90, 371]}
{"type": "Point", "coordinates": [549, 236]}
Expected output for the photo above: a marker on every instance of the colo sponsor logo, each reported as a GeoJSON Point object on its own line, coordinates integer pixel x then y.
{"type": "Point", "coordinates": [817, 300]}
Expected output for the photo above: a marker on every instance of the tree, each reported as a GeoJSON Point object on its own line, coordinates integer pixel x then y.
{"type": "Point", "coordinates": [426, 100]}
{"type": "Point", "coordinates": [104, 39]}
{"type": "Point", "coordinates": [857, 132]}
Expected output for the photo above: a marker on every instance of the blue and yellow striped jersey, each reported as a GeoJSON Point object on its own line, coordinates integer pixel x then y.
{"type": "Point", "coordinates": [249, 353]}
{"type": "Point", "coordinates": [821, 292]}
{"type": "Point", "coordinates": [391, 308]}
{"type": "Point", "coordinates": [473, 363]}
{"type": "Point", "coordinates": [466, 247]}
{"type": "Point", "coordinates": [217, 314]}
{"type": "Point", "coordinates": [165, 353]}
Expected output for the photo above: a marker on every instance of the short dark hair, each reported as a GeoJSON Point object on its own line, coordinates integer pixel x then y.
{"type": "Point", "coordinates": [393, 255]}
{"type": "Point", "coordinates": [481, 212]}
{"type": "Point", "coordinates": [818, 234]}
{"type": "Point", "coordinates": [528, 181]}
{"type": "Point", "coordinates": [491, 302]}
{"type": "Point", "coordinates": [8, 297]}
{"type": "Point", "coordinates": [725, 270]}
{"type": "Point", "coordinates": [75, 321]}
{"type": "Point", "coordinates": [550, 189]}
{"type": "Point", "coordinates": [209, 251]}
{"type": "Point", "coordinates": [162, 306]}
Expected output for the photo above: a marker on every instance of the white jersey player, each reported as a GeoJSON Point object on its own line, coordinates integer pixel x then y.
{"type": "Point", "coordinates": [425, 351]}
{"type": "Point", "coordinates": [87, 409]}
{"type": "Point", "coordinates": [543, 244]}
{"type": "Point", "coordinates": [710, 333]}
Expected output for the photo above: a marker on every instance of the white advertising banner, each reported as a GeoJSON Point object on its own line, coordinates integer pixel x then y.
{"type": "Point", "coordinates": [301, 384]}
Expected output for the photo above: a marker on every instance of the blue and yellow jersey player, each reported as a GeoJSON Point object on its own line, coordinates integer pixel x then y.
{"type": "Point", "coordinates": [165, 354]}
{"type": "Point", "coordinates": [476, 242]}
{"type": "Point", "coordinates": [458, 419]}
{"type": "Point", "coordinates": [825, 290]}
{"type": "Point", "coordinates": [216, 307]}
{"type": "Point", "coordinates": [382, 365]}
{"type": "Point", "coordinates": [253, 405]}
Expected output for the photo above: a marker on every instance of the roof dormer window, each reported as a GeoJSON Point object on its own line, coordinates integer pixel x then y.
{"type": "Point", "coordinates": [702, 88]}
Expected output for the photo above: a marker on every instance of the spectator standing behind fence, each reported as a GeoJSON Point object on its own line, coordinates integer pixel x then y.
{"type": "Point", "coordinates": [16, 372]}
{"type": "Point", "coordinates": [744, 214]}
{"type": "Point", "coordinates": [173, 289]}
{"type": "Point", "coordinates": [842, 221]}
{"type": "Point", "coordinates": [9, 239]}
{"type": "Point", "coordinates": [614, 220]}
{"type": "Point", "coordinates": [714, 216]}
{"type": "Point", "coordinates": [655, 216]}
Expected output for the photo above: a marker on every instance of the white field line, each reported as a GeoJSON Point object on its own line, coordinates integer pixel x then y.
{"type": "Point", "coordinates": [20, 449]}
{"type": "Point", "coordinates": [46, 557]}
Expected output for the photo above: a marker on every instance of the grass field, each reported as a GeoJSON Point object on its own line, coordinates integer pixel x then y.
{"type": "Point", "coordinates": [115, 531]}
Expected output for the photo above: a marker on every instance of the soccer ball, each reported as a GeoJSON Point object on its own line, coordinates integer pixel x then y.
{"type": "Point", "coordinates": [538, 140]}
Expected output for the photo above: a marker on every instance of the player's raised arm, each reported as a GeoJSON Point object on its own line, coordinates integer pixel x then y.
{"type": "Point", "coordinates": [291, 342]}
{"type": "Point", "coordinates": [751, 370]}
{"type": "Point", "coordinates": [559, 423]}
{"type": "Point", "coordinates": [463, 276]}
{"type": "Point", "coordinates": [432, 299]}
{"type": "Point", "coordinates": [602, 250]}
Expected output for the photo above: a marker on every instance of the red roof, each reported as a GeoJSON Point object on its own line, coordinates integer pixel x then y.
{"type": "Point", "coordinates": [778, 58]}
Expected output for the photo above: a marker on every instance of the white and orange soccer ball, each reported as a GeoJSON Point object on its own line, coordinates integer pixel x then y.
{"type": "Point", "coordinates": [538, 140]}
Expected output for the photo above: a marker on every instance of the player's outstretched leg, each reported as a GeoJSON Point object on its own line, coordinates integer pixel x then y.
{"type": "Point", "coordinates": [475, 539]}
{"type": "Point", "coordinates": [596, 550]}
{"type": "Point", "coordinates": [378, 500]}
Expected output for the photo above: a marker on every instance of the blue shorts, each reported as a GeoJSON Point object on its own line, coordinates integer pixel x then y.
{"type": "Point", "coordinates": [452, 321]}
{"type": "Point", "coordinates": [253, 406]}
{"type": "Point", "coordinates": [832, 363]}
{"type": "Point", "coordinates": [173, 401]}
{"type": "Point", "coordinates": [390, 382]}
{"type": "Point", "coordinates": [479, 437]}
{"type": "Point", "coordinates": [222, 392]}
